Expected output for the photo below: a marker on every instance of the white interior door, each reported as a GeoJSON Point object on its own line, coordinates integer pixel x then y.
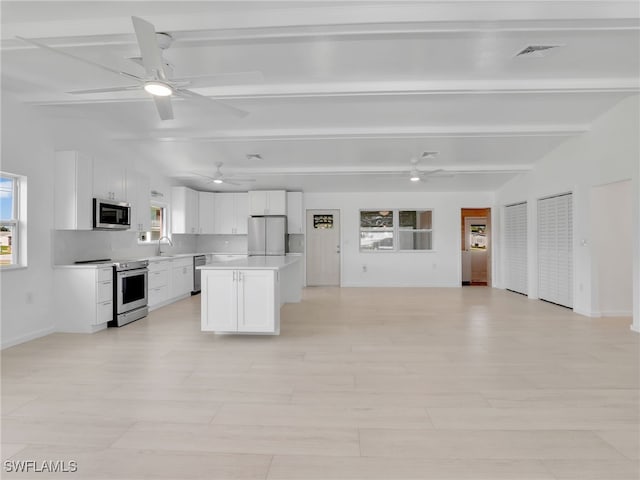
{"type": "Point", "coordinates": [555, 249]}
{"type": "Point", "coordinates": [323, 247]}
{"type": "Point", "coordinates": [515, 245]}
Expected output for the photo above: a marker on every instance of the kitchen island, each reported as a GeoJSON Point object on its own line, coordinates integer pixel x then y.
{"type": "Point", "coordinates": [244, 296]}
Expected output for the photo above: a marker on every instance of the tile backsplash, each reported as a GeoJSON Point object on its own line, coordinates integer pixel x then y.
{"type": "Point", "coordinates": [70, 246]}
{"type": "Point", "coordinates": [222, 243]}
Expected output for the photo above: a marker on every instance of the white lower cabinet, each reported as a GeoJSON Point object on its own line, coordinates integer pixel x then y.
{"type": "Point", "coordinates": [158, 286]}
{"type": "Point", "coordinates": [84, 299]}
{"type": "Point", "coordinates": [240, 301]}
{"type": "Point", "coordinates": [181, 283]}
{"type": "Point", "coordinates": [169, 280]}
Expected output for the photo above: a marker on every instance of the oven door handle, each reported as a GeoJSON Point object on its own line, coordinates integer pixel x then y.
{"type": "Point", "coordinates": [133, 273]}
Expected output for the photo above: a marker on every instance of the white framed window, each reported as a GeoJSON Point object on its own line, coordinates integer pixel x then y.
{"type": "Point", "coordinates": [11, 223]}
{"type": "Point", "coordinates": [159, 224]}
{"type": "Point", "coordinates": [377, 230]}
{"type": "Point", "coordinates": [396, 230]}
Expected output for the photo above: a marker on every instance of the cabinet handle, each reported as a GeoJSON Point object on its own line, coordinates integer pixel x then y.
{"type": "Point", "coordinates": [234, 275]}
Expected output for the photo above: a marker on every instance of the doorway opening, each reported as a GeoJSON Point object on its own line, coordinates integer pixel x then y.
{"type": "Point", "coordinates": [475, 231]}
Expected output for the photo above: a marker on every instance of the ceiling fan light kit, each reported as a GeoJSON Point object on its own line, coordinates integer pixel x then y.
{"type": "Point", "coordinates": [158, 89]}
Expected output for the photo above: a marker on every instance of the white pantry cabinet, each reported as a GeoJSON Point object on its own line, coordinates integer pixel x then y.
{"type": "Point", "coordinates": [295, 213]}
{"type": "Point", "coordinates": [206, 209]}
{"type": "Point", "coordinates": [109, 181]}
{"type": "Point", "coordinates": [73, 192]}
{"type": "Point", "coordinates": [231, 213]}
{"type": "Point", "coordinates": [84, 299]}
{"type": "Point", "coordinates": [139, 196]}
{"type": "Point", "coordinates": [267, 202]}
{"type": "Point", "coordinates": [240, 301]}
{"type": "Point", "coordinates": [184, 210]}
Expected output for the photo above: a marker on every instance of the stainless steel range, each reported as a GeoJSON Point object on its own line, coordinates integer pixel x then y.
{"type": "Point", "coordinates": [130, 291]}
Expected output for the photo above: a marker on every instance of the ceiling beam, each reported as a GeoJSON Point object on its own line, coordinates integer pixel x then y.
{"type": "Point", "coordinates": [463, 131]}
{"type": "Point", "coordinates": [315, 18]}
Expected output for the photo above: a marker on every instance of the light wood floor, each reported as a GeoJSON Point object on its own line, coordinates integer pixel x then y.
{"type": "Point", "coordinates": [469, 383]}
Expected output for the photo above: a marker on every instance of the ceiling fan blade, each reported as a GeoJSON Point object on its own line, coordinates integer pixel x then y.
{"type": "Point", "coordinates": [222, 107]}
{"type": "Point", "coordinates": [209, 178]}
{"type": "Point", "coordinates": [105, 90]}
{"type": "Point", "coordinates": [220, 79]}
{"type": "Point", "coordinates": [241, 180]}
{"type": "Point", "coordinates": [81, 59]}
{"type": "Point", "coordinates": [151, 56]}
{"type": "Point", "coordinates": [165, 109]}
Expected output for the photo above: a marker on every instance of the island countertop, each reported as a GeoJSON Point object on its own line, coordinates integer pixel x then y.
{"type": "Point", "coordinates": [254, 263]}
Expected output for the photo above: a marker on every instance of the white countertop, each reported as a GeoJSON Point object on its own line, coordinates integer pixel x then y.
{"type": "Point", "coordinates": [154, 258]}
{"type": "Point", "coordinates": [254, 263]}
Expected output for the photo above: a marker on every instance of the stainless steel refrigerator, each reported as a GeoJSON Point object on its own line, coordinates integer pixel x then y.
{"type": "Point", "coordinates": [267, 235]}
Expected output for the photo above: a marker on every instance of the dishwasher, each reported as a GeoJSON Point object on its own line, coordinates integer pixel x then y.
{"type": "Point", "coordinates": [198, 261]}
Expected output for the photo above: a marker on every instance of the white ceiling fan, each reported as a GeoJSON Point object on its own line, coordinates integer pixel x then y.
{"type": "Point", "coordinates": [219, 178]}
{"type": "Point", "coordinates": [417, 175]}
{"type": "Point", "coordinates": [157, 81]}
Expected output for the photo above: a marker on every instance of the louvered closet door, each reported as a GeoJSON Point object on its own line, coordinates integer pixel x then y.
{"type": "Point", "coordinates": [516, 247]}
{"type": "Point", "coordinates": [555, 250]}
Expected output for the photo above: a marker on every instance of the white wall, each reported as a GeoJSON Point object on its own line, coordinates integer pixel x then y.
{"type": "Point", "coordinates": [608, 153]}
{"type": "Point", "coordinates": [438, 268]}
{"type": "Point", "coordinates": [612, 247]}
{"type": "Point", "coordinates": [27, 149]}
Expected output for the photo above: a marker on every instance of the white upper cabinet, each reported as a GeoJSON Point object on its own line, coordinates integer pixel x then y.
{"type": "Point", "coordinates": [267, 202]}
{"type": "Point", "coordinates": [73, 194]}
{"type": "Point", "coordinates": [242, 213]}
{"type": "Point", "coordinates": [139, 196]}
{"type": "Point", "coordinates": [109, 181]}
{"type": "Point", "coordinates": [295, 213]}
{"type": "Point", "coordinates": [184, 210]}
{"type": "Point", "coordinates": [231, 212]}
{"type": "Point", "coordinates": [206, 209]}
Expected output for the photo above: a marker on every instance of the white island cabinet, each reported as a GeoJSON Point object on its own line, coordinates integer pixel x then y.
{"type": "Point", "coordinates": [244, 296]}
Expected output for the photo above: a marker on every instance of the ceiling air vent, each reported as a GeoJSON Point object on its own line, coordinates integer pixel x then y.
{"type": "Point", "coordinates": [536, 50]}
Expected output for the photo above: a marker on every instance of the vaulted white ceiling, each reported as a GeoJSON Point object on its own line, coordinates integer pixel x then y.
{"type": "Point", "coordinates": [350, 91]}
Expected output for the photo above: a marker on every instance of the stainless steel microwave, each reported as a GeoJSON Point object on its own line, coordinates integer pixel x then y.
{"type": "Point", "coordinates": [110, 215]}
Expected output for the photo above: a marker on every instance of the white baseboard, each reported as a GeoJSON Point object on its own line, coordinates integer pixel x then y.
{"type": "Point", "coordinates": [386, 285]}
{"type": "Point", "coordinates": [586, 313]}
{"type": "Point", "coordinates": [25, 338]}
{"type": "Point", "coordinates": [635, 328]}
{"type": "Point", "coordinates": [616, 313]}
{"type": "Point", "coordinates": [603, 314]}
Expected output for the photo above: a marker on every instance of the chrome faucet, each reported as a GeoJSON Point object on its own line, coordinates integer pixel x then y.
{"type": "Point", "coordinates": [160, 243]}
